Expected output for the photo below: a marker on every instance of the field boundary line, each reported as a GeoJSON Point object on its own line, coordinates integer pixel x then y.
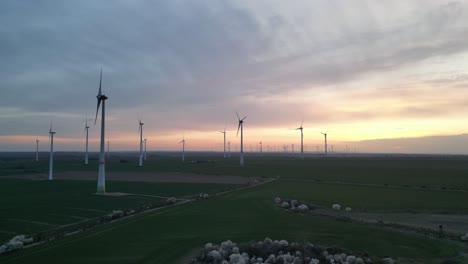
{"type": "Point", "coordinates": [376, 185]}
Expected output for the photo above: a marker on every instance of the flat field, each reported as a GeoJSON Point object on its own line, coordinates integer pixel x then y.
{"type": "Point", "coordinates": [171, 235]}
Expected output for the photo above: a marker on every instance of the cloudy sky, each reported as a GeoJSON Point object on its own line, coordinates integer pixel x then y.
{"type": "Point", "coordinates": [381, 76]}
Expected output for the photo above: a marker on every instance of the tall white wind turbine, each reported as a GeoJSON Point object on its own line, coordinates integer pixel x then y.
{"type": "Point", "coordinates": [326, 146]}
{"type": "Point", "coordinates": [37, 149]}
{"type": "Point", "coordinates": [86, 153]}
{"type": "Point", "coordinates": [101, 184]}
{"type": "Point", "coordinates": [51, 160]}
{"type": "Point", "coordinates": [140, 129]}
{"type": "Point", "coordinates": [224, 146]}
{"type": "Point", "coordinates": [183, 148]}
{"type": "Point", "coordinates": [302, 139]}
{"type": "Point", "coordinates": [241, 127]}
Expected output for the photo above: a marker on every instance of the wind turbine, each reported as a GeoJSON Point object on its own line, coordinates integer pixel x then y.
{"type": "Point", "coordinates": [51, 160]}
{"type": "Point", "coordinates": [145, 148]}
{"type": "Point", "coordinates": [140, 129]}
{"type": "Point", "coordinates": [241, 127]}
{"type": "Point", "coordinates": [37, 149]}
{"type": "Point", "coordinates": [302, 139]}
{"type": "Point", "coordinates": [183, 148]}
{"type": "Point", "coordinates": [101, 184]}
{"type": "Point", "coordinates": [86, 129]}
{"type": "Point", "coordinates": [326, 148]}
{"type": "Point", "coordinates": [224, 146]}
{"type": "Point", "coordinates": [261, 147]}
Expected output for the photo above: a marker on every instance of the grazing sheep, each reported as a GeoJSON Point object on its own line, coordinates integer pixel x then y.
{"type": "Point", "coordinates": [277, 200]}
{"type": "Point", "coordinates": [336, 207]}
{"type": "Point", "coordinates": [285, 205]}
{"type": "Point", "coordinates": [348, 209]}
{"type": "Point", "coordinates": [387, 261]}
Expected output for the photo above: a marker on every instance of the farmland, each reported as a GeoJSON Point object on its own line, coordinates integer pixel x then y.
{"type": "Point", "coordinates": [171, 234]}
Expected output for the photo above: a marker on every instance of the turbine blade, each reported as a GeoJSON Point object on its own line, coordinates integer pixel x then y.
{"type": "Point", "coordinates": [100, 82]}
{"type": "Point", "coordinates": [97, 110]}
{"type": "Point", "coordinates": [243, 118]}
{"type": "Point", "coordinates": [50, 129]}
{"type": "Point", "coordinates": [238, 117]}
{"type": "Point", "coordinates": [238, 129]}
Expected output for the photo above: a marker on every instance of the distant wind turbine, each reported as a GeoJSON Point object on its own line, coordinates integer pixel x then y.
{"type": "Point", "coordinates": [140, 129]}
{"type": "Point", "coordinates": [51, 160]}
{"type": "Point", "coordinates": [326, 147]}
{"type": "Point", "coordinates": [224, 146]}
{"type": "Point", "coordinates": [183, 148]}
{"type": "Point", "coordinates": [37, 149]}
{"type": "Point", "coordinates": [261, 147]}
{"type": "Point", "coordinates": [302, 139]}
{"type": "Point", "coordinates": [86, 129]}
{"type": "Point", "coordinates": [145, 148]}
{"type": "Point", "coordinates": [101, 184]}
{"type": "Point", "coordinates": [241, 127]}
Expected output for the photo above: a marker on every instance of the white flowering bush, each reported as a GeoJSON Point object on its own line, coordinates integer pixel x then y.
{"type": "Point", "coordinates": [387, 260]}
{"type": "Point", "coordinates": [336, 207]}
{"type": "Point", "coordinates": [271, 251]}
{"type": "Point", "coordinates": [15, 243]}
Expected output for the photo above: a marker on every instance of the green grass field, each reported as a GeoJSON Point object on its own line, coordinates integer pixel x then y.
{"type": "Point", "coordinates": [32, 206]}
{"type": "Point", "coordinates": [415, 172]}
{"type": "Point", "coordinates": [170, 234]}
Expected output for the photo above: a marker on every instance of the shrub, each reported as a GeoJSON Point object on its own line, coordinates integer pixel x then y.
{"type": "Point", "coordinates": [336, 207]}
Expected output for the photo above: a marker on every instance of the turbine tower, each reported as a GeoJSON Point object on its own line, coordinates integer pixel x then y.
{"type": "Point", "coordinates": [86, 153]}
{"type": "Point", "coordinates": [261, 147]}
{"type": "Point", "coordinates": [37, 149]}
{"type": "Point", "coordinates": [51, 160]}
{"type": "Point", "coordinates": [326, 147]}
{"type": "Point", "coordinates": [101, 184]}
{"type": "Point", "coordinates": [241, 127]}
{"type": "Point", "coordinates": [140, 129]}
{"type": "Point", "coordinates": [183, 148]}
{"type": "Point", "coordinates": [302, 139]}
{"type": "Point", "coordinates": [224, 146]}
{"type": "Point", "coordinates": [108, 149]}
{"type": "Point", "coordinates": [145, 148]}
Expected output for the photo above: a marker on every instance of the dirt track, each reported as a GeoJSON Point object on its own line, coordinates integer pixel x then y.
{"type": "Point", "coordinates": [147, 177]}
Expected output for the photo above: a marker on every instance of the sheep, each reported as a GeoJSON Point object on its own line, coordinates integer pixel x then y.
{"type": "Point", "coordinates": [387, 260]}
{"type": "Point", "coordinates": [209, 246]}
{"type": "Point", "coordinates": [359, 261]}
{"type": "Point", "coordinates": [336, 207]}
{"type": "Point", "coordinates": [285, 205]}
{"type": "Point", "coordinates": [348, 209]}
{"type": "Point", "coordinates": [303, 207]}
{"type": "Point", "coordinates": [277, 200]}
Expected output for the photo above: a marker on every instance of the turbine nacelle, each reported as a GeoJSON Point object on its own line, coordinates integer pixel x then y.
{"type": "Point", "coordinates": [100, 97]}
